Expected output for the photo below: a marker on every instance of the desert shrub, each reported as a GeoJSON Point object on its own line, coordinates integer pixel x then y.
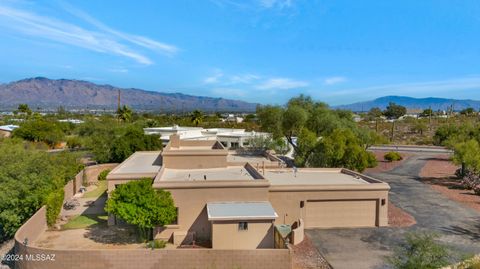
{"type": "Point", "coordinates": [468, 263]}
{"type": "Point", "coordinates": [103, 175]}
{"type": "Point", "coordinates": [471, 181]}
{"type": "Point", "coordinates": [420, 251]}
{"type": "Point", "coordinates": [392, 156]}
{"type": "Point", "coordinates": [157, 243]}
{"type": "Point", "coordinates": [54, 202]}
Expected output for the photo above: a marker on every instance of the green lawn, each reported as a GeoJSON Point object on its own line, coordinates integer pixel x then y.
{"type": "Point", "coordinates": [101, 189]}
{"type": "Point", "coordinates": [84, 221]}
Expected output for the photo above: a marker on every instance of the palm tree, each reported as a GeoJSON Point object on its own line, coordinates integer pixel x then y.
{"type": "Point", "coordinates": [197, 117]}
{"type": "Point", "coordinates": [124, 113]}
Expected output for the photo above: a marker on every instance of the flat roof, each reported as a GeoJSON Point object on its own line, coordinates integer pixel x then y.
{"type": "Point", "coordinates": [235, 157]}
{"type": "Point", "coordinates": [140, 162]}
{"type": "Point", "coordinates": [316, 176]}
{"type": "Point", "coordinates": [240, 211]}
{"type": "Point", "coordinates": [224, 173]}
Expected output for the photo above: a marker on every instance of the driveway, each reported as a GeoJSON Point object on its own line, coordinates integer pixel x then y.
{"type": "Point", "coordinates": [457, 225]}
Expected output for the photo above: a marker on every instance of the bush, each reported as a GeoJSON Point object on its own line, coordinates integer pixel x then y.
{"type": "Point", "coordinates": [420, 252]}
{"type": "Point", "coordinates": [54, 202]}
{"type": "Point", "coordinates": [157, 243]}
{"type": "Point", "coordinates": [471, 181]}
{"type": "Point", "coordinates": [393, 156]}
{"type": "Point", "coordinates": [103, 175]}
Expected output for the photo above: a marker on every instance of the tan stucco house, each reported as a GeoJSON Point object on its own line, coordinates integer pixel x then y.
{"type": "Point", "coordinates": [234, 204]}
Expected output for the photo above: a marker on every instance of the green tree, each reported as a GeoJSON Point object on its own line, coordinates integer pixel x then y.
{"type": "Point", "coordinates": [426, 113]}
{"type": "Point", "coordinates": [469, 111]}
{"type": "Point", "coordinates": [28, 177]}
{"type": "Point", "coordinates": [420, 252]}
{"type": "Point", "coordinates": [374, 113]}
{"type": "Point", "coordinates": [24, 108]}
{"type": "Point", "coordinates": [125, 113]}
{"type": "Point", "coordinates": [196, 117]}
{"type": "Point", "coordinates": [40, 130]}
{"type": "Point", "coordinates": [312, 122]}
{"type": "Point", "coordinates": [395, 111]}
{"type": "Point", "coordinates": [270, 118]}
{"type": "Point", "coordinates": [468, 154]}
{"type": "Point", "coordinates": [138, 203]}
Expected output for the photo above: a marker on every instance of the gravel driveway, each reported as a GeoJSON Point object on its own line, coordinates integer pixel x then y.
{"type": "Point", "coordinates": [457, 225]}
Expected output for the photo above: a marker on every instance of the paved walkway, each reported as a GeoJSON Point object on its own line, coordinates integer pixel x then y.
{"type": "Point", "coordinates": [457, 225]}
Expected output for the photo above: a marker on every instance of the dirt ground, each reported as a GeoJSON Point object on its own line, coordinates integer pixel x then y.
{"type": "Point", "coordinates": [439, 172]}
{"type": "Point", "coordinates": [94, 237]}
{"type": "Point", "coordinates": [306, 256]}
{"type": "Point", "coordinates": [398, 217]}
{"type": "Point", "coordinates": [384, 166]}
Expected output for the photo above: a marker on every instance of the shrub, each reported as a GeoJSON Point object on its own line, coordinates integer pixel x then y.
{"type": "Point", "coordinates": [103, 175]}
{"type": "Point", "coordinates": [420, 252]}
{"type": "Point", "coordinates": [54, 202]}
{"type": "Point", "coordinates": [157, 243]}
{"type": "Point", "coordinates": [392, 156]}
{"type": "Point", "coordinates": [471, 181]}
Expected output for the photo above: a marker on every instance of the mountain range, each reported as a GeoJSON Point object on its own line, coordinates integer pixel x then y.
{"type": "Point", "coordinates": [51, 93]}
{"type": "Point", "coordinates": [413, 103]}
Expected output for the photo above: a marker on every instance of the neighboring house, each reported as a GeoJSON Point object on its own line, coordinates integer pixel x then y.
{"type": "Point", "coordinates": [230, 138]}
{"type": "Point", "coordinates": [74, 121]}
{"type": "Point", "coordinates": [234, 205]}
{"type": "Point", "coordinates": [233, 118]}
{"type": "Point", "coordinates": [6, 130]}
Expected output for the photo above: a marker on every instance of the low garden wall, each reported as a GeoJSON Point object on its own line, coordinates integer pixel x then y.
{"type": "Point", "coordinates": [92, 172]}
{"type": "Point", "coordinates": [73, 186]}
{"type": "Point", "coordinates": [87, 176]}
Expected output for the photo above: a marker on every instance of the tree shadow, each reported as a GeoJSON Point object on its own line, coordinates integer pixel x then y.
{"type": "Point", "coordinates": [472, 234]}
{"type": "Point", "coordinates": [115, 235]}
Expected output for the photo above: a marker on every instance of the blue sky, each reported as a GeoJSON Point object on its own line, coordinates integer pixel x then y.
{"type": "Point", "coordinates": [264, 51]}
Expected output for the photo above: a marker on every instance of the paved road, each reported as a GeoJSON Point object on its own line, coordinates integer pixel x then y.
{"type": "Point", "coordinates": [410, 148]}
{"type": "Point", "coordinates": [457, 225]}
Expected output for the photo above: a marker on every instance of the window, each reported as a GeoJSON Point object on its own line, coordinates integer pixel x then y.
{"type": "Point", "coordinates": [243, 226]}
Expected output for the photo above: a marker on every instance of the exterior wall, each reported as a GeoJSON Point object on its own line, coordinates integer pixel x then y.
{"type": "Point", "coordinates": [92, 172]}
{"type": "Point", "coordinates": [225, 235]}
{"type": "Point", "coordinates": [139, 258]}
{"type": "Point", "coordinates": [192, 211]}
{"type": "Point", "coordinates": [298, 233]}
{"type": "Point", "coordinates": [195, 160]}
{"type": "Point", "coordinates": [287, 202]}
{"type": "Point", "coordinates": [159, 258]}
{"type": "Point", "coordinates": [73, 186]}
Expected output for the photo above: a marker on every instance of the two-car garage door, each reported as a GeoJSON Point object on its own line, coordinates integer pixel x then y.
{"type": "Point", "coordinates": [341, 213]}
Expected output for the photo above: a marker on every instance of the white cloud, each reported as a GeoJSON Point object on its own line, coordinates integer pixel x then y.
{"type": "Point", "coordinates": [334, 80]}
{"type": "Point", "coordinates": [281, 84]}
{"type": "Point", "coordinates": [276, 3]}
{"type": "Point", "coordinates": [215, 78]}
{"type": "Point", "coordinates": [243, 79]}
{"type": "Point", "coordinates": [103, 39]}
{"type": "Point", "coordinates": [118, 70]}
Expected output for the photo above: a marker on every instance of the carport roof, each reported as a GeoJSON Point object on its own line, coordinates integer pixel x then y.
{"type": "Point", "coordinates": [241, 211]}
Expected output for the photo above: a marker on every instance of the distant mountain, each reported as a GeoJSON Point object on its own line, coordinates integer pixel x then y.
{"type": "Point", "coordinates": [52, 93]}
{"type": "Point", "coordinates": [412, 103]}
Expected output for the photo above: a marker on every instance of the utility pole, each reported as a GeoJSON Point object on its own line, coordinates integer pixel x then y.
{"type": "Point", "coordinates": [118, 105]}
{"type": "Point", "coordinates": [430, 118]}
{"type": "Point", "coordinates": [392, 131]}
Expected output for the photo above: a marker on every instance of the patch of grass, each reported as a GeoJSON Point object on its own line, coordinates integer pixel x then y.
{"type": "Point", "coordinates": [157, 243]}
{"type": "Point", "coordinates": [85, 221]}
{"type": "Point", "coordinates": [99, 191]}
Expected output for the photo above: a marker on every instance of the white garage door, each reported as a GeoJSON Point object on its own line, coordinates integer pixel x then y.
{"type": "Point", "coordinates": [344, 213]}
